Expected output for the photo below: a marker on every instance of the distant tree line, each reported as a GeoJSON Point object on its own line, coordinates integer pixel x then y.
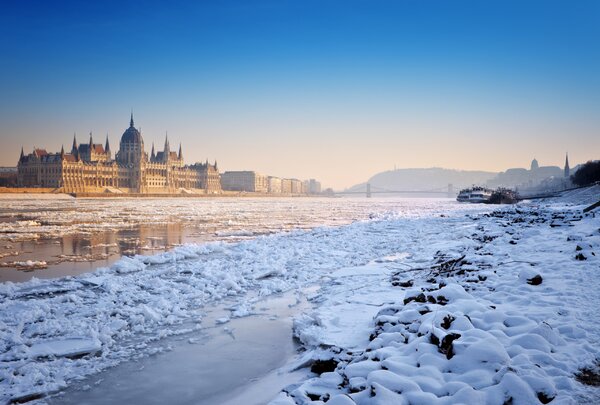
{"type": "Point", "coordinates": [587, 174]}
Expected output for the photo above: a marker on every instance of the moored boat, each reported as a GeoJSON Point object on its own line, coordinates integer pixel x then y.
{"type": "Point", "coordinates": [475, 195]}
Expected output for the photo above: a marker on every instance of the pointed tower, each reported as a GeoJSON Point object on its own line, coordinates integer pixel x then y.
{"type": "Point", "coordinates": [74, 147]}
{"type": "Point", "coordinates": [62, 151]}
{"type": "Point", "coordinates": [216, 167]}
{"type": "Point", "coordinates": [107, 148]}
{"type": "Point", "coordinates": [131, 121]}
{"type": "Point", "coordinates": [91, 141]}
{"type": "Point", "coordinates": [22, 154]}
{"type": "Point", "coordinates": [180, 154]}
{"type": "Point", "coordinates": [152, 154]}
{"type": "Point", "coordinates": [567, 168]}
{"type": "Point", "coordinates": [167, 148]}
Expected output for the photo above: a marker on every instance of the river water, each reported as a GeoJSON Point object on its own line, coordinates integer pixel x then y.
{"type": "Point", "coordinates": [48, 236]}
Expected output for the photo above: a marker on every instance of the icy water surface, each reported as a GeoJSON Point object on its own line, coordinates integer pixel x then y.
{"type": "Point", "coordinates": [221, 364]}
{"type": "Point", "coordinates": [48, 236]}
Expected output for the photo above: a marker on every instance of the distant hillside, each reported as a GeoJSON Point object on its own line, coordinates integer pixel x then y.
{"type": "Point", "coordinates": [425, 179]}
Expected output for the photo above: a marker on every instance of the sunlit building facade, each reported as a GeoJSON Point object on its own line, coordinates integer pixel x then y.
{"type": "Point", "coordinates": [90, 167]}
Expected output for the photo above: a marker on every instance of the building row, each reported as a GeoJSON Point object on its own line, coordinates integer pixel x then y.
{"type": "Point", "coordinates": [253, 182]}
{"type": "Point", "coordinates": [91, 168]}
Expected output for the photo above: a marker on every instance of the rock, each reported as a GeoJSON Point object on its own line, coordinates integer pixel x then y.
{"type": "Point", "coordinates": [418, 298]}
{"type": "Point", "coordinates": [448, 319]}
{"type": "Point", "coordinates": [404, 284]}
{"type": "Point", "coordinates": [446, 344]}
{"type": "Point", "coordinates": [323, 366]}
{"type": "Point", "coordinates": [530, 276]}
{"type": "Point", "coordinates": [536, 280]}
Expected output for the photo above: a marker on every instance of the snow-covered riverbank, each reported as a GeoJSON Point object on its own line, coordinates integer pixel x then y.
{"type": "Point", "coordinates": [499, 308]}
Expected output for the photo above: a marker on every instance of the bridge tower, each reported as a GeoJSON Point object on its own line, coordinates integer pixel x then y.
{"type": "Point", "coordinates": [368, 190]}
{"type": "Point", "coordinates": [450, 190]}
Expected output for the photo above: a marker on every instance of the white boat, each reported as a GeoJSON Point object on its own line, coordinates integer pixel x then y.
{"type": "Point", "coordinates": [474, 195]}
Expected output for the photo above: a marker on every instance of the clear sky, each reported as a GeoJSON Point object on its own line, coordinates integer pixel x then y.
{"type": "Point", "coordinates": [335, 90]}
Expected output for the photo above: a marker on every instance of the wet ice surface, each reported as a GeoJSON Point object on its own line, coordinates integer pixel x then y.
{"type": "Point", "coordinates": [232, 364]}
{"type": "Point", "coordinates": [48, 236]}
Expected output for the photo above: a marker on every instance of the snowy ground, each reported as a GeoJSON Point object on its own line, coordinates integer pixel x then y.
{"type": "Point", "coordinates": [497, 308]}
{"type": "Point", "coordinates": [482, 335]}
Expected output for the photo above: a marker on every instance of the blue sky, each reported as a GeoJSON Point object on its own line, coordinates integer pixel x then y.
{"type": "Point", "coordinates": [337, 90]}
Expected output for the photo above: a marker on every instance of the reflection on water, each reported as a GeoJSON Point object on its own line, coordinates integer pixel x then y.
{"type": "Point", "coordinates": [75, 253]}
{"type": "Point", "coordinates": [53, 236]}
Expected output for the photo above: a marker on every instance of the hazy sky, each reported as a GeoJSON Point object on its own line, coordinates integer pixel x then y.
{"type": "Point", "coordinates": [336, 90]}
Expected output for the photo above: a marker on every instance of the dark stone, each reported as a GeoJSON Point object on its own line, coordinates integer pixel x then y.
{"type": "Point", "coordinates": [590, 375]}
{"type": "Point", "coordinates": [446, 344]}
{"type": "Point", "coordinates": [323, 366]}
{"type": "Point", "coordinates": [578, 248]}
{"type": "Point", "coordinates": [419, 298]}
{"type": "Point", "coordinates": [442, 300]}
{"type": "Point", "coordinates": [537, 280]}
{"type": "Point", "coordinates": [405, 284]}
{"type": "Point", "coordinates": [447, 322]}
{"type": "Point", "coordinates": [544, 399]}
{"type": "Point", "coordinates": [580, 256]}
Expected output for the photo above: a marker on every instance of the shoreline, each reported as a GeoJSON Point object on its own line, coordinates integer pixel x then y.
{"type": "Point", "coordinates": [34, 191]}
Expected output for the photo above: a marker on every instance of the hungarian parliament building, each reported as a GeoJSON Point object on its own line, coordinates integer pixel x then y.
{"type": "Point", "coordinates": [91, 168]}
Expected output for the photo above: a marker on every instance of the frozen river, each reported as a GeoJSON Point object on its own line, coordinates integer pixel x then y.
{"type": "Point", "coordinates": [48, 236]}
{"type": "Point", "coordinates": [175, 300]}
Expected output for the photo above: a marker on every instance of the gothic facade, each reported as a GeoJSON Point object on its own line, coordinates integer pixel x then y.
{"type": "Point", "coordinates": [90, 167]}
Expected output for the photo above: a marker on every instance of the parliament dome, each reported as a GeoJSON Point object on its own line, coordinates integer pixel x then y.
{"type": "Point", "coordinates": [131, 134]}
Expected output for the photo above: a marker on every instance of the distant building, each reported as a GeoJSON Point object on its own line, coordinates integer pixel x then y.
{"type": "Point", "coordinates": [296, 186]}
{"type": "Point", "coordinates": [89, 167]}
{"type": "Point", "coordinates": [314, 187]}
{"type": "Point", "coordinates": [534, 165]}
{"type": "Point", "coordinates": [248, 181]}
{"type": "Point", "coordinates": [286, 186]}
{"type": "Point", "coordinates": [8, 176]}
{"type": "Point", "coordinates": [523, 178]}
{"type": "Point", "coordinates": [274, 185]}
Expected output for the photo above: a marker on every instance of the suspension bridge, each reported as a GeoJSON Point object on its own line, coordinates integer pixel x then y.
{"type": "Point", "coordinates": [368, 190]}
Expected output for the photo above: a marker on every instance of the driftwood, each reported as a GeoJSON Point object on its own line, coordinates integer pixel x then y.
{"type": "Point", "coordinates": [443, 267]}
